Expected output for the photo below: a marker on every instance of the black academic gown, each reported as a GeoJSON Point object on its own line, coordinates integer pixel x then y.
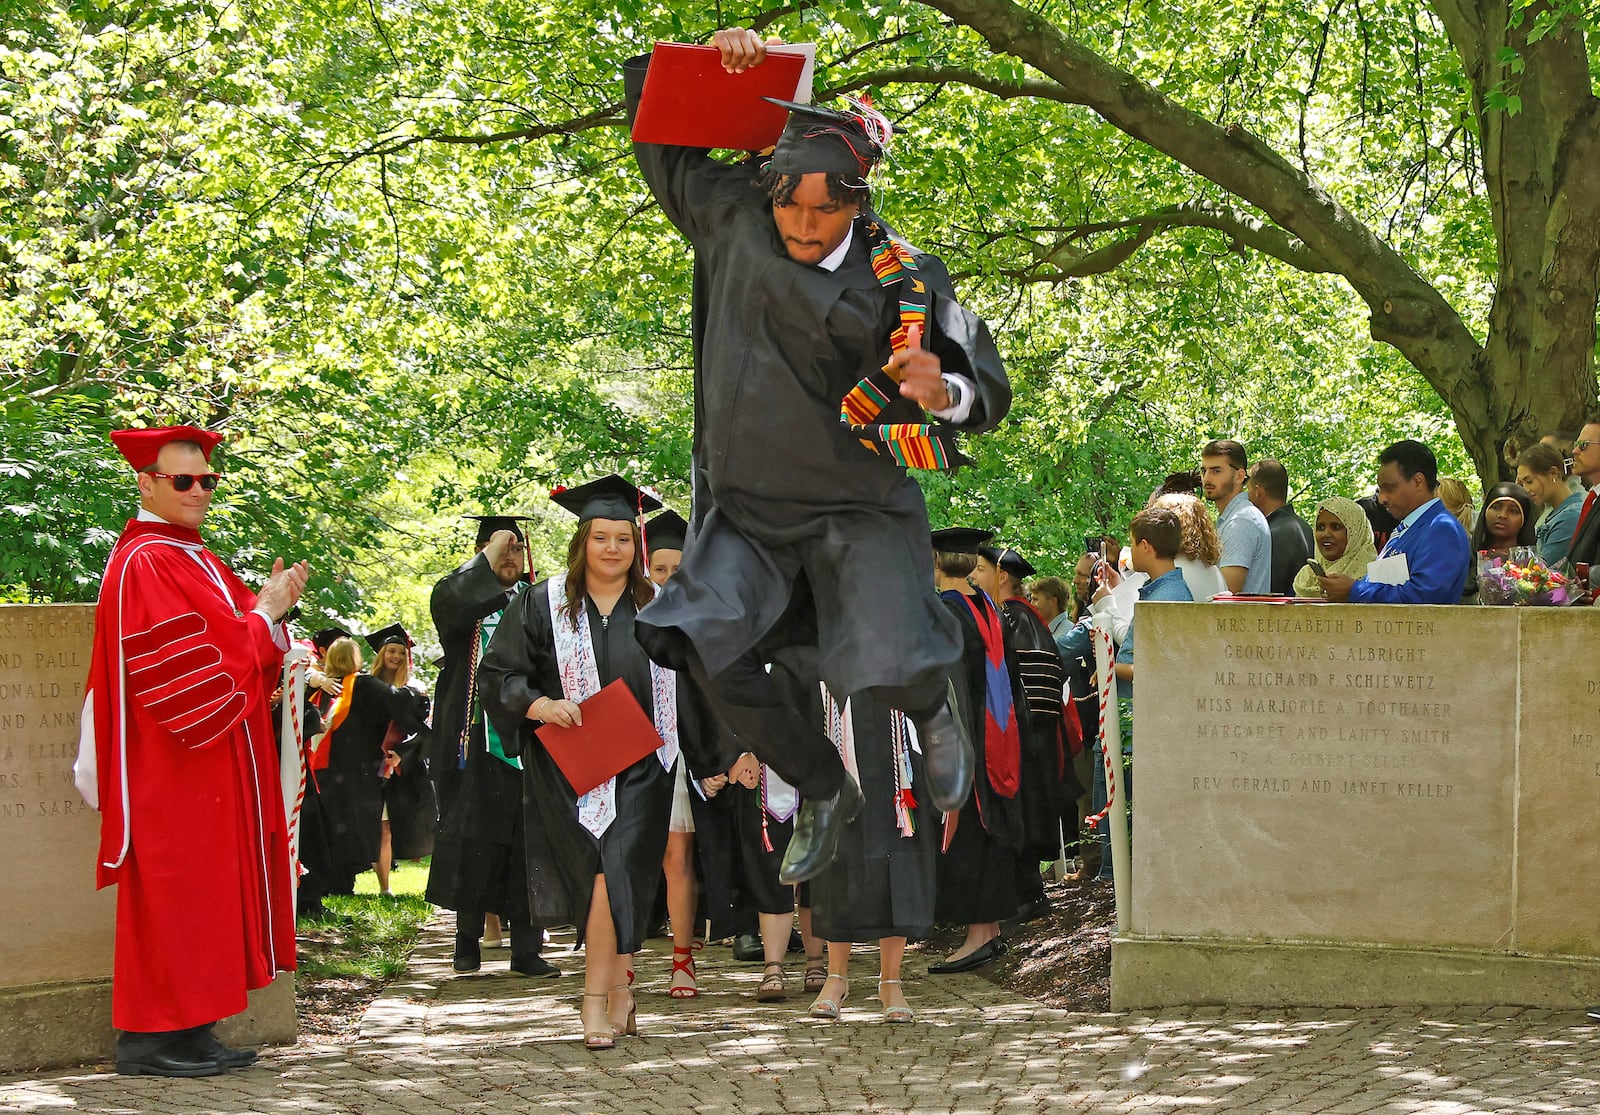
{"type": "Point", "coordinates": [1039, 796]}
{"type": "Point", "coordinates": [480, 856]}
{"type": "Point", "coordinates": [347, 795]}
{"type": "Point", "coordinates": [785, 494]}
{"type": "Point", "coordinates": [977, 873]}
{"type": "Point", "coordinates": [562, 856]}
{"type": "Point", "coordinates": [881, 883]}
{"type": "Point", "coordinates": [409, 801]}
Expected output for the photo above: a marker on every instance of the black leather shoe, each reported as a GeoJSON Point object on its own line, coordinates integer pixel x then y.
{"type": "Point", "coordinates": [747, 947]}
{"type": "Point", "coordinates": [179, 1056]}
{"type": "Point", "coordinates": [1594, 1013]}
{"type": "Point", "coordinates": [1028, 911]}
{"type": "Point", "coordinates": [947, 756]}
{"type": "Point", "coordinates": [468, 957]}
{"type": "Point", "coordinates": [817, 830]}
{"type": "Point", "coordinates": [532, 964]}
{"type": "Point", "coordinates": [992, 949]}
{"type": "Point", "coordinates": [204, 1041]}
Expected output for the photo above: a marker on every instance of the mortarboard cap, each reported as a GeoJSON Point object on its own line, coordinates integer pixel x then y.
{"type": "Point", "coordinates": [325, 638]}
{"type": "Point", "coordinates": [610, 497]}
{"type": "Point", "coordinates": [960, 540]}
{"type": "Point", "coordinates": [1004, 557]}
{"type": "Point", "coordinates": [140, 447]}
{"type": "Point", "coordinates": [490, 525]}
{"type": "Point", "coordinates": [667, 531]}
{"type": "Point", "coordinates": [394, 633]}
{"type": "Point", "coordinates": [828, 141]}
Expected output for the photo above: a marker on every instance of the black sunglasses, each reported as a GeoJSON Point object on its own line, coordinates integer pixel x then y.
{"type": "Point", "coordinates": [182, 481]}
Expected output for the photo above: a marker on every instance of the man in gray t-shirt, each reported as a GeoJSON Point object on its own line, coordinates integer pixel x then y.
{"type": "Point", "coordinates": [1246, 538]}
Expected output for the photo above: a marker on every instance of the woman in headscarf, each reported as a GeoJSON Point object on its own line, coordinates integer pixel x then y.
{"type": "Point", "coordinates": [1343, 536]}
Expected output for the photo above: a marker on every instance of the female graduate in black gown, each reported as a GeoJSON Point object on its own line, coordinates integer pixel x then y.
{"type": "Point", "coordinates": [977, 872]}
{"type": "Point", "coordinates": [348, 792]}
{"type": "Point", "coordinates": [604, 884]}
{"type": "Point", "coordinates": [410, 809]}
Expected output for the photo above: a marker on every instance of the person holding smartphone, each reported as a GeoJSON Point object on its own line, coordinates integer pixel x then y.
{"type": "Point", "coordinates": [1344, 544]}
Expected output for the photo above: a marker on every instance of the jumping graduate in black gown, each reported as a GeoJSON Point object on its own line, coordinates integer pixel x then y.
{"type": "Point", "coordinates": [977, 872]}
{"type": "Point", "coordinates": [347, 794]}
{"type": "Point", "coordinates": [791, 504]}
{"type": "Point", "coordinates": [593, 861]}
{"type": "Point", "coordinates": [479, 858]}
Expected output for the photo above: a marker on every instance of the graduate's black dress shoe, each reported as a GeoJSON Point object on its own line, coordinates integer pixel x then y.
{"type": "Point", "coordinates": [1028, 911]}
{"type": "Point", "coordinates": [468, 958]}
{"type": "Point", "coordinates": [817, 829]}
{"type": "Point", "coordinates": [747, 947]}
{"type": "Point", "coordinates": [1594, 1013]}
{"type": "Point", "coordinates": [532, 964]}
{"type": "Point", "coordinates": [947, 756]}
{"type": "Point", "coordinates": [179, 1055]}
{"type": "Point", "coordinates": [205, 1040]}
{"type": "Point", "coordinates": [992, 949]}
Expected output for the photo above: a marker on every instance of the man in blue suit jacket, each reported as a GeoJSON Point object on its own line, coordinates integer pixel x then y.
{"type": "Point", "coordinates": [1435, 545]}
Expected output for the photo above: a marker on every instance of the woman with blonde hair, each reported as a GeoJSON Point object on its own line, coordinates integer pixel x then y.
{"type": "Point", "coordinates": [349, 763]}
{"type": "Point", "coordinates": [410, 809]}
{"type": "Point", "coordinates": [1457, 499]}
{"type": "Point", "coordinates": [1200, 549]}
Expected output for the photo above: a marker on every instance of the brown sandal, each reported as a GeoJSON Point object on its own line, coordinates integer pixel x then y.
{"type": "Point", "coordinates": [816, 973]}
{"type": "Point", "coordinates": [772, 989]}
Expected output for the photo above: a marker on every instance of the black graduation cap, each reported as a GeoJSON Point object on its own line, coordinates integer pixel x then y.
{"type": "Point", "coordinates": [610, 497]}
{"type": "Point", "coordinates": [1004, 557]}
{"type": "Point", "coordinates": [825, 140]}
{"type": "Point", "coordinates": [384, 636]}
{"type": "Point", "coordinates": [325, 638]}
{"type": "Point", "coordinates": [960, 540]}
{"type": "Point", "coordinates": [489, 525]}
{"type": "Point", "coordinates": [667, 531]}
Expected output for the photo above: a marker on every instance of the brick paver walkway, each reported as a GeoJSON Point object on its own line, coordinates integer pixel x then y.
{"type": "Point", "coordinates": [497, 1043]}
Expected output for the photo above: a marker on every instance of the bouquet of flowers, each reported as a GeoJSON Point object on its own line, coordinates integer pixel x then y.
{"type": "Point", "coordinates": [1520, 577]}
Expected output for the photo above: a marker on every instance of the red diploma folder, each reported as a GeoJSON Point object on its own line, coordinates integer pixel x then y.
{"type": "Point", "coordinates": [689, 100]}
{"type": "Point", "coordinates": [614, 735]}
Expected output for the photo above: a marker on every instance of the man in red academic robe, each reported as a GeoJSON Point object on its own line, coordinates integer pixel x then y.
{"type": "Point", "coordinates": [178, 755]}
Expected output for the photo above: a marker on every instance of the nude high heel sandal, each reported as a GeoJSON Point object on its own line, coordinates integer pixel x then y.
{"type": "Point", "coordinates": [596, 1034]}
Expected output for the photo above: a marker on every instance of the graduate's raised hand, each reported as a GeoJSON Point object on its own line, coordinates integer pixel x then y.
{"type": "Point", "coordinates": [740, 49]}
{"type": "Point", "coordinates": [920, 373]}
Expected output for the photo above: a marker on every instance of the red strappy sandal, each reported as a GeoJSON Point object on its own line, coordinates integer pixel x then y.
{"type": "Point", "coordinates": [683, 961]}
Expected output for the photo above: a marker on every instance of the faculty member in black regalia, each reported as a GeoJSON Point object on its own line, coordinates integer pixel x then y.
{"type": "Point", "coordinates": [791, 504]}
{"type": "Point", "coordinates": [479, 858]}
{"type": "Point", "coordinates": [1001, 573]}
{"type": "Point", "coordinates": [593, 861]}
{"type": "Point", "coordinates": [977, 872]}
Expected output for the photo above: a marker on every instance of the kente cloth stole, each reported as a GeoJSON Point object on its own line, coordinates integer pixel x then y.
{"type": "Point", "coordinates": [1002, 745]}
{"type": "Point", "coordinates": [902, 741]}
{"type": "Point", "coordinates": [913, 445]}
{"type": "Point", "coordinates": [580, 680]}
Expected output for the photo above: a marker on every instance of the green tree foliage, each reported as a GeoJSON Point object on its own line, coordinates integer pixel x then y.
{"type": "Point", "coordinates": [401, 256]}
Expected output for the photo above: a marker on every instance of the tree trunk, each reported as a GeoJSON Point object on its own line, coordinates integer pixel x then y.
{"type": "Point", "coordinates": [1536, 371]}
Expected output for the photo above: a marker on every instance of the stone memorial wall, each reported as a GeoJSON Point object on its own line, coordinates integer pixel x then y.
{"type": "Point", "coordinates": [57, 930]}
{"type": "Point", "coordinates": [1361, 802]}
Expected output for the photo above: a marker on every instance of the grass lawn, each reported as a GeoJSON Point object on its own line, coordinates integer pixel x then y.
{"type": "Point", "coordinates": [366, 936]}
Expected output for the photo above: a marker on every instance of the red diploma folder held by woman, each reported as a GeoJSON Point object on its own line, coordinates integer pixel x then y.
{"type": "Point", "coordinates": [614, 735]}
